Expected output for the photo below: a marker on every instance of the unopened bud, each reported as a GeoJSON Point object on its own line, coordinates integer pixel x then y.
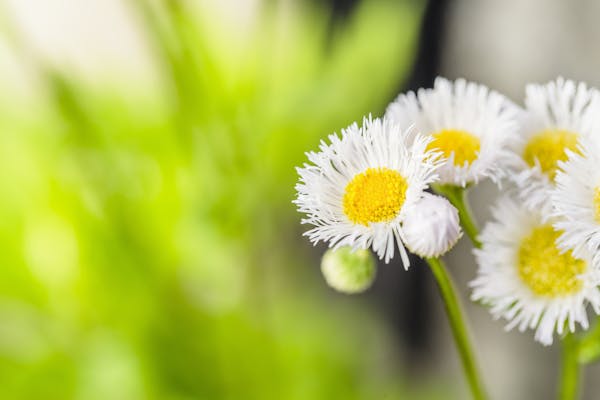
{"type": "Point", "coordinates": [432, 227]}
{"type": "Point", "coordinates": [347, 270]}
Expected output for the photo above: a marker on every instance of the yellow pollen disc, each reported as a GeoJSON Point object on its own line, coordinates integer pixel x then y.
{"type": "Point", "coordinates": [464, 145]}
{"type": "Point", "coordinates": [545, 270]}
{"type": "Point", "coordinates": [597, 204]}
{"type": "Point", "coordinates": [376, 195]}
{"type": "Point", "coordinates": [548, 147]}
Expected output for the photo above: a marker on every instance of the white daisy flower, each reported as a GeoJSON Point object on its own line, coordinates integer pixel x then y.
{"type": "Point", "coordinates": [526, 279]}
{"type": "Point", "coordinates": [470, 124]}
{"type": "Point", "coordinates": [557, 115]}
{"type": "Point", "coordinates": [576, 199]}
{"type": "Point", "coordinates": [432, 228]}
{"type": "Point", "coordinates": [360, 187]}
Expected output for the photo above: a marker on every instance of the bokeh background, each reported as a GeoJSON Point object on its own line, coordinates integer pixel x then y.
{"type": "Point", "coordinates": [149, 247]}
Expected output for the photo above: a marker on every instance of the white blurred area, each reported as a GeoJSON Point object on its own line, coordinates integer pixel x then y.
{"type": "Point", "coordinates": [98, 41]}
{"type": "Point", "coordinates": [92, 40]}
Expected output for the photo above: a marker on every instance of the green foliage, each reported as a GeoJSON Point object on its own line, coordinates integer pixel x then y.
{"type": "Point", "coordinates": [150, 249]}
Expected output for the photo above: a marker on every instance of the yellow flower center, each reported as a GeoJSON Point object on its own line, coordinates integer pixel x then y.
{"type": "Point", "coordinates": [597, 204]}
{"type": "Point", "coordinates": [548, 148]}
{"type": "Point", "coordinates": [464, 145]}
{"type": "Point", "coordinates": [545, 270]}
{"type": "Point", "coordinates": [376, 195]}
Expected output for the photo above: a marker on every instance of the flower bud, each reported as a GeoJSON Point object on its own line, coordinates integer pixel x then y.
{"type": "Point", "coordinates": [347, 270]}
{"type": "Point", "coordinates": [432, 227]}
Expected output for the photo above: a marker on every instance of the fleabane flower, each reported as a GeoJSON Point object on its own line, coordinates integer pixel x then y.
{"type": "Point", "coordinates": [576, 198]}
{"type": "Point", "coordinates": [557, 115]}
{"type": "Point", "coordinates": [526, 279]}
{"type": "Point", "coordinates": [358, 189]}
{"type": "Point", "coordinates": [471, 125]}
{"type": "Point", "coordinates": [432, 228]}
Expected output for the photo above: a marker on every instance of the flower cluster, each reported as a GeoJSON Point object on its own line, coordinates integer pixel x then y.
{"type": "Point", "coordinates": [538, 259]}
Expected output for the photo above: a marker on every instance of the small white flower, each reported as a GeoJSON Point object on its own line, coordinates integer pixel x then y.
{"type": "Point", "coordinates": [557, 115]}
{"type": "Point", "coordinates": [360, 187]}
{"type": "Point", "coordinates": [472, 126]}
{"type": "Point", "coordinates": [526, 279]}
{"type": "Point", "coordinates": [347, 270]}
{"type": "Point", "coordinates": [576, 199]}
{"type": "Point", "coordinates": [432, 228]}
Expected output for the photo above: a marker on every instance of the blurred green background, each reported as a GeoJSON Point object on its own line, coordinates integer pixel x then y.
{"type": "Point", "coordinates": [150, 249]}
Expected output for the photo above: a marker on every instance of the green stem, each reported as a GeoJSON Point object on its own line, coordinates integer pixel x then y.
{"type": "Point", "coordinates": [459, 329]}
{"type": "Point", "coordinates": [589, 345]}
{"type": "Point", "coordinates": [569, 374]}
{"type": "Point", "coordinates": [458, 197]}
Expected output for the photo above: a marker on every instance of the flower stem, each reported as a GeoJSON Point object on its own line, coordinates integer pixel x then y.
{"type": "Point", "coordinates": [589, 345]}
{"type": "Point", "coordinates": [569, 375]}
{"type": "Point", "coordinates": [458, 197]}
{"type": "Point", "coordinates": [459, 329]}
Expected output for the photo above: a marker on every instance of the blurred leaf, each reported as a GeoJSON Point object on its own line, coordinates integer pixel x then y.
{"type": "Point", "coordinates": [150, 246]}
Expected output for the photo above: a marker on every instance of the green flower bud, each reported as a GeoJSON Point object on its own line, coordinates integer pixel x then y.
{"type": "Point", "coordinates": [348, 271]}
